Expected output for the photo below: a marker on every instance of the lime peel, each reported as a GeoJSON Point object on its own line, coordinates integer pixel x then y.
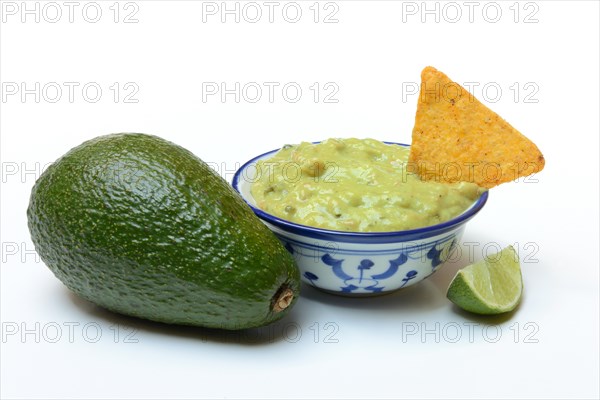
{"type": "Point", "coordinates": [493, 285]}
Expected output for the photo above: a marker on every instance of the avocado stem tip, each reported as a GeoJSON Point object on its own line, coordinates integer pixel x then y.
{"type": "Point", "coordinates": [283, 299]}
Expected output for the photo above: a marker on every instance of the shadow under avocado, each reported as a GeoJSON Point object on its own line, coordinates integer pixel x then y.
{"type": "Point", "coordinates": [264, 335]}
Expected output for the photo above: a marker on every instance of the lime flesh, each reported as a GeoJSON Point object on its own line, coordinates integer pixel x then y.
{"type": "Point", "coordinates": [491, 286]}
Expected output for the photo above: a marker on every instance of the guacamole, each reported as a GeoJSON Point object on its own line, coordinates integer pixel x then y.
{"type": "Point", "coordinates": [357, 185]}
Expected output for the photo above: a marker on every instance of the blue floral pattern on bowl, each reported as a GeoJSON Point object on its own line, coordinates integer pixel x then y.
{"type": "Point", "coordinates": [370, 272]}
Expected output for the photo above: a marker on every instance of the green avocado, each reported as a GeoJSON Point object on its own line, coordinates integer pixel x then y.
{"type": "Point", "coordinates": [142, 227]}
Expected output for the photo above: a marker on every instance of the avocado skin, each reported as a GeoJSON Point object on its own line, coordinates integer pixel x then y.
{"type": "Point", "coordinates": [142, 227]}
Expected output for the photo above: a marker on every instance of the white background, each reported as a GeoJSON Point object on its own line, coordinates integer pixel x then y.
{"type": "Point", "coordinates": [412, 344]}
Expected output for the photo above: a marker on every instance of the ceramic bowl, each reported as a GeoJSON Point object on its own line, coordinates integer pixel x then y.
{"type": "Point", "coordinates": [357, 263]}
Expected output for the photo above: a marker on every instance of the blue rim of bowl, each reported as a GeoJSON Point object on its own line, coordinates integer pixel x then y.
{"type": "Point", "coordinates": [358, 237]}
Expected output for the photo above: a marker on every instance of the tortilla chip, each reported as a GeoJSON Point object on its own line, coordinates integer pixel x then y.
{"type": "Point", "coordinates": [457, 138]}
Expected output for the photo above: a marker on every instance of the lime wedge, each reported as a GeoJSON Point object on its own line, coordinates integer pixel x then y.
{"type": "Point", "coordinates": [490, 286]}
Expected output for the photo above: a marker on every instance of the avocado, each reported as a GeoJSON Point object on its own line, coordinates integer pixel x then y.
{"type": "Point", "coordinates": [142, 227]}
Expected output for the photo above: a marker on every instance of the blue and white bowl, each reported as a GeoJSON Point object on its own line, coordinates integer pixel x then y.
{"type": "Point", "coordinates": [357, 263]}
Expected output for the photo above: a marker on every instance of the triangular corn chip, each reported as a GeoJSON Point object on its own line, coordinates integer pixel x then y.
{"type": "Point", "coordinates": [457, 138]}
